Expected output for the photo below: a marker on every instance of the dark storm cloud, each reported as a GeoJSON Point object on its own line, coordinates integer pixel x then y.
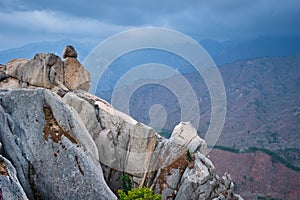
{"type": "Point", "coordinates": [228, 19]}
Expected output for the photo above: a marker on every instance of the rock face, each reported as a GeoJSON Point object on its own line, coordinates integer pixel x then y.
{"type": "Point", "coordinates": [76, 77]}
{"type": "Point", "coordinates": [50, 147]}
{"type": "Point", "coordinates": [10, 187]}
{"type": "Point", "coordinates": [164, 165]}
{"type": "Point", "coordinates": [46, 70]}
{"type": "Point", "coordinates": [77, 146]}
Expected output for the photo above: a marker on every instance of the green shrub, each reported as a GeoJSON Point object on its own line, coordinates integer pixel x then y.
{"type": "Point", "coordinates": [142, 193]}
{"type": "Point", "coordinates": [126, 183]}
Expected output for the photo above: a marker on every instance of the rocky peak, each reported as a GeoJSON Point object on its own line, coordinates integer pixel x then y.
{"type": "Point", "coordinates": [69, 52]}
{"type": "Point", "coordinates": [76, 145]}
{"type": "Point", "coordinates": [46, 70]}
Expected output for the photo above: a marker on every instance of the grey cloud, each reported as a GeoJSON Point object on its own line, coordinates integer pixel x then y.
{"type": "Point", "coordinates": [228, 19]}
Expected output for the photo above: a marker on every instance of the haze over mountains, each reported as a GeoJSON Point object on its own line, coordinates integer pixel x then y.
{"type": "Point", "coordinates": [221, 52]}
{"type": "Point", "coordinates": [262, 81]}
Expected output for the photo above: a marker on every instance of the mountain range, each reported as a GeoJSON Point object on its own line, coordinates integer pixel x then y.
{"type": "Point", "coordinates": [222, 52]}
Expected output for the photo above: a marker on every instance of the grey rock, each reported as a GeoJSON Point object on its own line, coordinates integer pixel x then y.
{"type": "Point", "coordinates": [184, 134]}
{"type": "Point", "coordinates": [12, 67]}
{"type": "Point", "coordinates": [52, 151]}
{"type": "Point", "coordinates": [126, 145]}
{"type": "Point", "coordinates": [87, 112]}
{"type": "Point", "coordinates": [10, 187]}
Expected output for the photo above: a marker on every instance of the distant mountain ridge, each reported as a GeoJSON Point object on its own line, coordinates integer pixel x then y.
{"type": "Point", "coordinates": [233, 50]}
{"type": "Point", "coordinates": [29, 50]}
{"type": "Point", "coordinates": [221, 52]}
{"type": "Point", "coordinates": [262, 104]}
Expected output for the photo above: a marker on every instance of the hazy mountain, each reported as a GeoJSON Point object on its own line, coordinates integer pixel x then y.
{"type": "Point", "coordinates": [233, 50]}
{"type": "Point", "coordinates": [262, 104]}
{"type": "Point", "coordinates": [222, 52]}
{"type": "Point", "coordinates": [29, 50]}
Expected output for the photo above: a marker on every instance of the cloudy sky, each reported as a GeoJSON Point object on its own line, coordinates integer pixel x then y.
{"type": "Point", "coordinates": [25, 21]}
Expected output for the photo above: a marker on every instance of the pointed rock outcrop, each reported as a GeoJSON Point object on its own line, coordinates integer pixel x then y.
{"type": "Point", "coordinates": [46, 70]}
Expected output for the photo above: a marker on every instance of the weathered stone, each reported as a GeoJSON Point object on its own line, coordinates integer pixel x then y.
{"type": "Point", "coordinates": [184, 134]}
{"type": "Point", "coordinates": [70, 52]}
{"type": "Point", "coordinates": [75, 75]}
{"type": "Point", "coordinates": [44, 70]}
{"type": "Point", "coordinates": [10, 83]}
{"type": "Point", "coordinates": [10, 187]}
{"type": "Point", "coordinates": [86, 111]}
{"type": "Point", "coordinates": [53, 153]}
{"type": "Point", "coordinates": [13, 66]}
{"type": "Point", "coordinates": [162, 164]}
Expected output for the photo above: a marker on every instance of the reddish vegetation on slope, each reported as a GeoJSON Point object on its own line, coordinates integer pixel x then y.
{"type": "Point", "coordinates": [256, 175]}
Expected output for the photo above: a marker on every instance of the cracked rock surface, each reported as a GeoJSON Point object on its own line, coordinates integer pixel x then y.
{"type": "Point", "coordinates": [53, 153]}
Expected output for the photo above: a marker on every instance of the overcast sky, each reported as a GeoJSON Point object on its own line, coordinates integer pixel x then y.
{"type": "Point", "coordinates": [25, 21]}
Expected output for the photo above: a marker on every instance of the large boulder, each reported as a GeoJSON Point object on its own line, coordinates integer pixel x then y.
{"type": "Point", "coordinates": [177, 167]}
{"type": "Point", "coordinates": [10, 187]}
{"type": "Point", "coordinates": [75, 75]}
{"type": "Point", "coordinates": [44, 70]}
{"type": "Point", "coordinates": [53, 153]}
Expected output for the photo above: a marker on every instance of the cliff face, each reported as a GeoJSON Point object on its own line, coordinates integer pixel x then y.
{"type": "Point", "coordinates": [61, 142]}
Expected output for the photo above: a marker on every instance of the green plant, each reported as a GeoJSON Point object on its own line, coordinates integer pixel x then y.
{"type": "Point", "coordinates": [142, 193]}
{"type": "Point", "coordinates": [126, 183]}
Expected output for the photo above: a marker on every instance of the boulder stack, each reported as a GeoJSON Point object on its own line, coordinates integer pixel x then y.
{"type": "Point", "coordinates": [46, 70]}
